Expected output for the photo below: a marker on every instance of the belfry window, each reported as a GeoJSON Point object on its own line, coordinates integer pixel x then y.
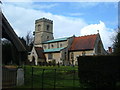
{"type": "Point", "coordinates": [48, 27]}
{"type": "Point", "coordinates": [39, 27]}
{"type": "Point", "coordinates": [47, 37]}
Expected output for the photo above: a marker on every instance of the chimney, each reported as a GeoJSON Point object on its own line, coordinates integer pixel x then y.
{"type": "Point", "coordinates": [109, 49]}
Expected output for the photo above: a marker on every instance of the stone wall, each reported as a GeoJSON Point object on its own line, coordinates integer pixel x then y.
{"type": "Point", "coordinates": [55, 56]}
{"type": "Point", "coordinates": [79, 53]}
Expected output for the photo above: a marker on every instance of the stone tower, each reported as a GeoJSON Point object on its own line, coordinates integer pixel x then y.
{"type": "Point", "coordinates": [43, 31]}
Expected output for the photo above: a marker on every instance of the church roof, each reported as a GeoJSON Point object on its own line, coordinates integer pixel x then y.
{"type": "Point", "coordinates": [56, 40]}
{"type": "Point", "coordinates": [9, 33]}
{"type": "Point", "coordinates": [40, 52]}
{"type": "Point", "coordinates": [53, 50]}
{"type": "Point", "coordinates": [83, 43]}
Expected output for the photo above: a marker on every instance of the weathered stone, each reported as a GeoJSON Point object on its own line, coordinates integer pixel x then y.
{"type": "Point", "coordinates": [20, 77]}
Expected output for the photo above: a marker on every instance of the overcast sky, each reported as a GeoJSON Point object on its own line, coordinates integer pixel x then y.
{"type": "Point", "coordinates": [69, 18]}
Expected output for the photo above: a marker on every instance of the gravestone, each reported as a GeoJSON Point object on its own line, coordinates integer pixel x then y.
{"type": "Point", "coordinates": [20, 77]}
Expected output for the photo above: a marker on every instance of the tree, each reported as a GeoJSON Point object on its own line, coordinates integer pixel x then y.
{"type": "Point", "coordinates": [116, 43]}
{"type": "Point", "coordinates": [28, 43]}
{"type": "Point", "coordinates": [29, 38]}
{"type": "Point", "coordinates": [6, 51]}
{"type": "Point", "coordinates": [9, 53]}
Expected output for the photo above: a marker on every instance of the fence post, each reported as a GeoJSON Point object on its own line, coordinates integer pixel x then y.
{"type": "Point", "coordinates": [42, 78]}
{"type": "Point", "coordinates": [32, 77]}
{"type": "Point", "coordinates": [55, 79]}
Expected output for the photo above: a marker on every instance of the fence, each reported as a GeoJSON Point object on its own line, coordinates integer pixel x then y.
{"type": "Point", "coordinates": [12, 77]}
{"type": "Point", "coordinates": [51, 78]}
{"type": "Point", "coordinates": [8, 77]}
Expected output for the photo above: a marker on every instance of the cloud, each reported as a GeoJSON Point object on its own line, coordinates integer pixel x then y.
{"type": "Point", "coordinates": [23, 20]}
{"type": "Point", "coordinates": [75, 14]}
{"type": "Point", "coordinates": [106, 33]}
{"type": "Point", "coordinates": [44, 6]}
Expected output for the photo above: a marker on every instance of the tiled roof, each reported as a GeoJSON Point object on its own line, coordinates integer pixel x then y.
{"type": "Point", "coordinates": [53, 49]}
{"type": "Point", "coordinates": [56, 40]}
{"type": "Point", "coordinates": [83, 43]}
{"type": "Point", "coordinates": [40, 52]}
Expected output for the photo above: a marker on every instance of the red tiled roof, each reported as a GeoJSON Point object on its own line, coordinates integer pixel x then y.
{"type": "Point", "coordinates": [83, 42]}
{"type": "Point", "coordinates": [40, 52]}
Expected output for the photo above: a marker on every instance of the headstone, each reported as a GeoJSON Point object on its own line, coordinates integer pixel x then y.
{"type": "Point", "coordinates": [20, 77]}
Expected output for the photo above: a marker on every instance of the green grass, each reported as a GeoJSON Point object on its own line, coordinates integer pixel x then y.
{"type": "Point", "coordinates": [63, 78]}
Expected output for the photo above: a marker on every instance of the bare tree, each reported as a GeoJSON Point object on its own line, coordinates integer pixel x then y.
{"type": "Point", "coordinates": [29, 38]}
{"type": "Point", "coordinates": [116, 44]}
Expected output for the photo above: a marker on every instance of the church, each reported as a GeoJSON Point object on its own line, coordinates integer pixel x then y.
{"type": "Point", "coordinates": [62, 50]}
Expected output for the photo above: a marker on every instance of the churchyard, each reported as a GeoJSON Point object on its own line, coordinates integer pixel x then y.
{"type": "Point", "coordinates": [50, 77]}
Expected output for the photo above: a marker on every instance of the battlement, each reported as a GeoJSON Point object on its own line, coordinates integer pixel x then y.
{"type": "Point", "coordinates": [44, 20]}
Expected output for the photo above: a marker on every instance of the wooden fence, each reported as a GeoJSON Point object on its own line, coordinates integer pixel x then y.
{"type": "Point", "coordinates": [9, 77]}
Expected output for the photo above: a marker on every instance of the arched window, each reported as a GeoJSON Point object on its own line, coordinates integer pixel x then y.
{"type": "Point", "coordinates": [39, 27]}
{"type": "Point", "coordinates": [47, 37]}
{"type": "Point", "coordinates": [50, 56]}
{"type": "Point", "coordinates": [48, 27]}
{"type": "Point", "coordinates": [65, 55]}
{"type": "Point", "coordinates": [60, 45]}
{"type": "Point", "coordinates": [52, 45]}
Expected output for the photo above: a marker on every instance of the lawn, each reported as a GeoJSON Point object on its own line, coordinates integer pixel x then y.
{"type": "Point", "coordinates": [51, 77]}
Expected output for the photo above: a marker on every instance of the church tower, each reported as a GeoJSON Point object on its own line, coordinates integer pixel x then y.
{"type": "Point", "coordinates": [43, 31]}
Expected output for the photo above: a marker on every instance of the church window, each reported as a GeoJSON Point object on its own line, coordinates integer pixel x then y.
{"type": "Point", "coordinates": [72, 55]}
{"type": "Point", "coordinates": [45, 46]}
{"type": "Point", "coordinates": [39, 27]}
{"type": "Point", "coordinates": [65, 55]}
{"type": "Point", "coordinates": [50, 56]}
{"type": "Point", "coordinates": [57, 45]}
{"type": "Point", "coordinates": [52, 45]}
{"type": "Point", "coordinates": [48, 27]}
{"type": "Point", "coordinates": [48, 46]}
{"type": "Point", "coordinates": [48, 37]}
{"type": "Point", "coordinates": [60, 45]}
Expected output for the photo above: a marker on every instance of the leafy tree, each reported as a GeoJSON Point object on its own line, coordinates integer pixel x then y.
{"type": "Point", "coordinates": [116, 44]}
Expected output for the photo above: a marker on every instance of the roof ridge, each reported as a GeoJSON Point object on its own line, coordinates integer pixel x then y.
{"type": "Point", "coordinates": [87, 35]}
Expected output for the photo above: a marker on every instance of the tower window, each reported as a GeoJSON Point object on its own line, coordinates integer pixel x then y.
{"type": "Point", "coordinates": [39, 27]}
{"type": "Point", "coordinates": [48, 27]}
{"type": "Point", "coordinates": [47, 37]}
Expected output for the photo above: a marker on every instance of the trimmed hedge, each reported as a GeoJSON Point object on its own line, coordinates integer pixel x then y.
{"type": "Point", "coordinates": [99, 71]}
